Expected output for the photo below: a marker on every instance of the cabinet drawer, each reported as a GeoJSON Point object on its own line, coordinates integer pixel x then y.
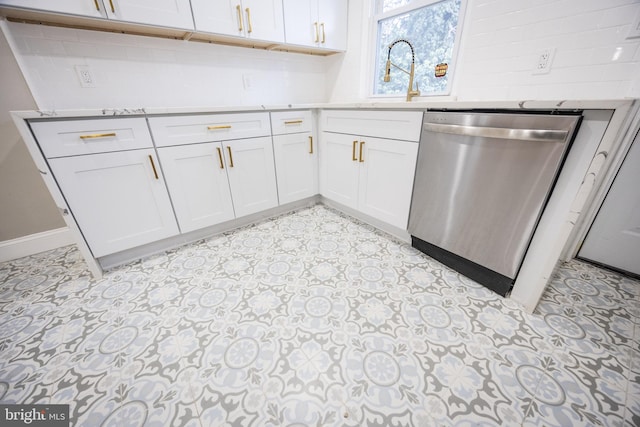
{"type": "Point", "coordinates": [61, 138]}
{"type": "Point", "coordinates": [179, 130]}
{"type": "Point", "coordinates": [404, 125]}
{"type": "Point", "coordinates": [283, 122]}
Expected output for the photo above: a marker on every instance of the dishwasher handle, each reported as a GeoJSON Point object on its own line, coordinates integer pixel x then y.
{"type": "Point", "coordinates": [539, 135]}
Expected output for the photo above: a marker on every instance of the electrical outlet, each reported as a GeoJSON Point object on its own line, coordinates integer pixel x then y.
{"type": "Point", "coordinates": [247, 81]}
{"type": "Point", "coordinates": [544, 58]}
{"type": "Point", "coordinates": [85, 76]}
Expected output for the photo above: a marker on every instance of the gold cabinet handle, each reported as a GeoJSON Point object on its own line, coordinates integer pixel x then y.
{"type": "Point", "coordinates": [293, 122]}
{"type": "Point", "coordinates": [310, 145]}
{"type": "Point", "coordinates": [361, 145]}
{"type": "Point", "coordinates": [153, 166]}
{"type": "Point", "coordinates": [217, 127]}
{"type": "Point", "coordinates": [323, 35]}
{"type": "Point", "coordinates": [98, 135]}
{"type": "Point", "coordinates": [230, 157]}
{"type": "Point", "coordinates": [249, 29]}
{"type": "Point", "coordinates": [113, 9]}
{"type": "Point", "coordinates": [97, 5]}
{"type": "Point", "coordinates": [220, 157]}
{"type": "Point", "coordinates": [353, 151]}
{"type": "Point", "coordinates": [239, 11]}
{"type": "Point", "coordinates": [315, 24]}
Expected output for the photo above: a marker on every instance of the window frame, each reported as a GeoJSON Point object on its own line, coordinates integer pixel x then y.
{"type": "Point", "coordinates": [378, 16]}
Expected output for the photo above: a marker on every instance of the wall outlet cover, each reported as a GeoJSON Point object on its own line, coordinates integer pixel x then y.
{"type": "Point", "coordinates": [544, 59]}
{"type": "Point", "coordinates": [85, 76]}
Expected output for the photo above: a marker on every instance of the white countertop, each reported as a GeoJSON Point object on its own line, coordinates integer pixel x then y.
{"type": "Point", "coordinates": [607, 104]}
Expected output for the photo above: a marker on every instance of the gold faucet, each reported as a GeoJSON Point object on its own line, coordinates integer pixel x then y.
{"type": "Point", "coordinates": [387, 75]}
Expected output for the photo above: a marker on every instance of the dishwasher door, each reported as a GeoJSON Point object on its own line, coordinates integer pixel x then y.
{"type": "Point", "coordinates": [482, 180]}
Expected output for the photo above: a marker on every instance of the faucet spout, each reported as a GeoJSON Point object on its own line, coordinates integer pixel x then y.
{"type": "Point", "coordinates": [387, 75]}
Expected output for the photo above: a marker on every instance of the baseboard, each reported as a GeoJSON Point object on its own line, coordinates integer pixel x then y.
{"type": "Point", "coordinates": [35, 243]}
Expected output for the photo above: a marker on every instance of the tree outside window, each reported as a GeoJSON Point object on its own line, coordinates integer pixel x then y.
{"type": "Point", "coordinates": [432, 30]}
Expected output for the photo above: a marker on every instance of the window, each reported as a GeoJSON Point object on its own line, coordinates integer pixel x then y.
{"type": "Point", "coordinates": [432, 27]}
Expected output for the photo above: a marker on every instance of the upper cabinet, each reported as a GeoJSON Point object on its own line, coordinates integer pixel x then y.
{"type": "Point", "coordinates": [316, 23]}
{"type": "Point", "coordinates": [162, 13]}
{"type": "Point", "coordinates": [90, 8]}
{"type": "Point", "coordinates": [309, 26]}
{"type": "Point", "coordinates": [252, 19]}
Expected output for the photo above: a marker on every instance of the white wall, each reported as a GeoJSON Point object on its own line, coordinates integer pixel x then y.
{"type": "Point", "coordinates": [499, 47]}
{"type": "Point", "coordinates": [135, 71]}
{"type": "Point", "coordinates": [500, 43]}
{"type": "Point", "coordinates": [593, 59]}
{"type": "Point", "coordinates": [26, 207]}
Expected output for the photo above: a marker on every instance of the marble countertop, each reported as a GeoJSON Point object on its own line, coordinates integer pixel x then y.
{"type": "Point", "coordinates": [607, 104]}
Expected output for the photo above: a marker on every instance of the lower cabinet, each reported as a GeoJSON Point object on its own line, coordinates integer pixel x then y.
{"type": "Point", "coordinates": [197, 180]}
{"type": "Point", "coordinates": [372, 175]}
{"type": "Point", "coordinates": [252, 175]}
{"type": "Point", "coordinates": [215, 182]}
{"type": "Point", "coordinates": [118, 199]}
{"type": "Point", "coordinates": [296, 166]}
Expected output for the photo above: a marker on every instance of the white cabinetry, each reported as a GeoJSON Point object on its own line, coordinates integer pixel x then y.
{"type": "Point", "coordinates": [316, 23]}
{"type": "Point", "coordinates": [91, 8]}
{"type": "Point", "coordinates": [252, 175]}
{"type": "Point", "coordinates": [370, 174]}
{"type": "Point", "coordinates": [118, 198]}
{"type": "Point", "coordinates": [295, 154]}
{"type": "Point", "coordinates": [254, 19]}
{"type": "Point", "coordinates": [212, 176]}
{"type": "Point", "coordinates": [163, 13]}
{"type": "Point", "coordinates": [198, 184]}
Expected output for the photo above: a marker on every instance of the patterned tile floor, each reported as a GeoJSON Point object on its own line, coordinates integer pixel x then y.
{"type": "Point", "coordinates": [314, 319]}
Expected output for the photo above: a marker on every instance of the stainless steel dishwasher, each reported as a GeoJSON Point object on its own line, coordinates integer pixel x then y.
{"type": "Point", "coordinates": [482, 181]}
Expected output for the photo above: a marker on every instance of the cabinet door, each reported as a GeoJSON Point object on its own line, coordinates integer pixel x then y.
{"type": "Point", "coordinates": [197, 180]}
{"type": "Point", "coordinates": [386, 179]}
{"type": "Point", "coordinates": [264, 20]}
{"type": "Point", "coordinates": [252, 175]}
{"type": "Point", "coordinates": [332, 18]}
{"type": "Point", "coordinates": [219, 16]}
{"type": "Point", "coordinates": [301, 22]}
{"type": "Point", "coordinates": [296, 166]}
{"type": "Point", "coordinates": [340, 168]}
{"type": "Point", "coordinates": [164, 13]}
{"type": "Point", "coordinates": [73, 7]}
{"type": "Point", "coordinates": [118, 199]}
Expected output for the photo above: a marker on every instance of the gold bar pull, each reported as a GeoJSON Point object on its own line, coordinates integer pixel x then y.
{"type": "Point", "coordinates": [239, 11]}
{"type": "Point", "coordinates": [217, 127]}
{"type": "Point", "coordinates": [113, 9]}
{"type": "Point", "coordinates": [293, 122]}
{"type": "Point", "coordinates": [230, 157]}
{"type": "Point", "coordinates": [220, 157]}
{"type": "Point", "coordinates": [323, 35]}
{"type": "Point", "coordinates": [353, 151]}
{"type": "Point", "coordinates": [97, 5]}
{"type": "Point", "coordinates": [361, 145]}
{"type": "Point", "coordinates": [310, 145]}
{"type": "Point", "coordinates": [249, 29]}
{"type": "Point", "coordinates": [98, 135]}
{"type": "Point", "coordinates": [315, 24]}
{"type": "Point", "coordinates": [153, 166]}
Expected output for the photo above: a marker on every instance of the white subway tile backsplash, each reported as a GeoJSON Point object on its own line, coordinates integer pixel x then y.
{"type": "Point", "coordinates": [500, 43]}
{"type": "Point", "coordinates": [136, 71]}
{"type": "Point", "coordinates": [593, 59]}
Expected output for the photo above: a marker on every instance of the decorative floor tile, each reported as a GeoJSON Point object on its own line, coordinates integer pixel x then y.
{"type": "Point", "coordinates": [314, 319]}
